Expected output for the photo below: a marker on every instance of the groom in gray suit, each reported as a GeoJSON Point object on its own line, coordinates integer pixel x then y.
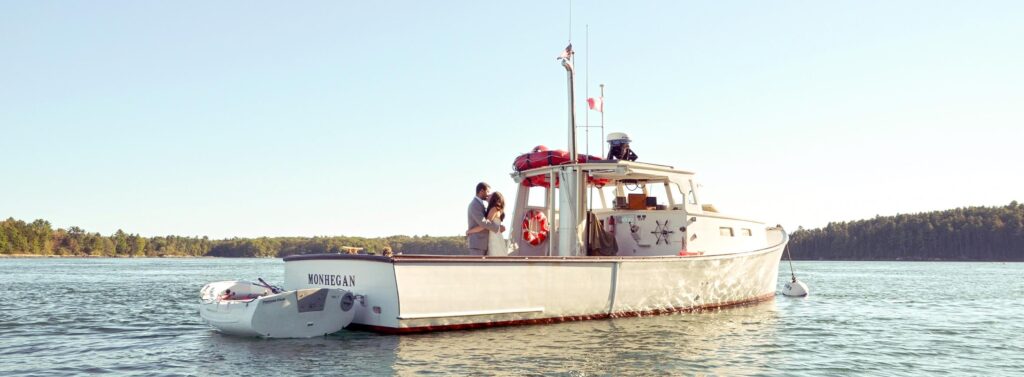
{"type": "Point", "coordinates": [478, 216]}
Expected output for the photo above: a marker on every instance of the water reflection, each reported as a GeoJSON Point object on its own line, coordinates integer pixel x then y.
{"type": "Point", "coordinates": [345, 353]}
{"type": "Point", "coordinates": [728, 341]}
{"type": "Point", "coordinates": [724, 342]}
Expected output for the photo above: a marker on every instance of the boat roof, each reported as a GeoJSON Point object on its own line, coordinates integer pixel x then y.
{"type": "Point", "coordinates": [615, 170]}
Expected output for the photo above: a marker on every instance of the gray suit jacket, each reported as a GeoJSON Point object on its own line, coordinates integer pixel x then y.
{"type": "Point", "coordinates": [478, 216]}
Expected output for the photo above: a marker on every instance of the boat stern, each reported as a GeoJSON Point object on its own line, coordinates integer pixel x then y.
{"type": "Point", "coordinates": [370, 278]}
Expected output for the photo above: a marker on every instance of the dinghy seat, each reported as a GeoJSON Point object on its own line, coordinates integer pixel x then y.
{"type": "Point", "coordinates": [311, 300]}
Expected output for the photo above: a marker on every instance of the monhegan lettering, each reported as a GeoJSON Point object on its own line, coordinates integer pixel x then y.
{"type": "Point", "coordinates": [337, 280]}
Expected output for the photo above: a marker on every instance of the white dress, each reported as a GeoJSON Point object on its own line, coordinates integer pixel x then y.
{"type": "Point", "coordinates": [496, 243]}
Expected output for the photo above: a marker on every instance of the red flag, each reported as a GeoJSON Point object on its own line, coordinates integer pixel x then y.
{"type": "Point", "coordinates": [596, 104]}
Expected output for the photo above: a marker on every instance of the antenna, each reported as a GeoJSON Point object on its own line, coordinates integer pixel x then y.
{"type": "Point", "coordinates": [586, 91]}
{"type": "Point", "coordinates": [570, 21]}
{"type": "Point", "coordinates": [602, 120]}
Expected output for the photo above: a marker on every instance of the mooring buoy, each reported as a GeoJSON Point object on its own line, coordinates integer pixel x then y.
{"type": "Point", "coordinates": [795, 288]}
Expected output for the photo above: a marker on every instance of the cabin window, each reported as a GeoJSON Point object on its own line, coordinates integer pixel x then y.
{"type": "Point", "coordinates": [688, 195]}
{"type": "Point", "coordinates": [537, 197]}
{"type": "Point", "coordinates": [725, 231]}
{"type": "Point", "coordinates": [658, 191]}
{"type": "Point", "coordinates": [746, 232]}
{"type": "Point", "coordinates": [693, 192]}
{"type": "Point", "coordinates": [683, 196]}
{"type": "Point", "coordinates": [633, 188]}
{"type": "Point", "coordinates": [609, 196]}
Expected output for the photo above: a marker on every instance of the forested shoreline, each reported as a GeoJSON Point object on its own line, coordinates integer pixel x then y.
{"type": "Point", "coordinates": [39, 238]}
{"type": "Point", "coordinates": [961, 234]}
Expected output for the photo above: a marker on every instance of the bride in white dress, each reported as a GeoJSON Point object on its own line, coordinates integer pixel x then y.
{"type": "Point", "coordinates": [495, 213]}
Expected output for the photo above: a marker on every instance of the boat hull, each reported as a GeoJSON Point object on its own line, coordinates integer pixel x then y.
{"type": "Point", "coordinates": [429, 293]}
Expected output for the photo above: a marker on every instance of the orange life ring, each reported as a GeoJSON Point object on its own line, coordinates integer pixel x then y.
{"type": "Point", "coordinates": [535, 227]}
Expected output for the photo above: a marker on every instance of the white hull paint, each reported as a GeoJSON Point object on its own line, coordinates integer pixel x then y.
{"type": "Point", "coordinates": [291, 314]}
{"type": "Point", "coordinates": [426, 293]}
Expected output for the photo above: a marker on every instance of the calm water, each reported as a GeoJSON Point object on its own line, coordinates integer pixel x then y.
{"type": "Point", "coordinates": [120, 316]}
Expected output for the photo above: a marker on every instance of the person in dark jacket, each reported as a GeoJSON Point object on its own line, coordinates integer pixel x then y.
{"type": "Point", "coordinates": [477, 216]}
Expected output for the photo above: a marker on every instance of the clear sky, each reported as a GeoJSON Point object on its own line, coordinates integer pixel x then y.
{"type": "Point", "coordinates": [372, 118]}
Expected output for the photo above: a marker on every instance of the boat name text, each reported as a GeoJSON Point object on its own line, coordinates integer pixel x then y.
{"type": "Point", "coordinates": [338, 280]}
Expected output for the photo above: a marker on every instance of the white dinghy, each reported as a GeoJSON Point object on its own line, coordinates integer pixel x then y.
{"type": "Point", "coordinates": [252, 309]}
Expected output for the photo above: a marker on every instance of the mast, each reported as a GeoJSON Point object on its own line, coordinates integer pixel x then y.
{"type": "Point", "coordinates": [570, 75]}
{"type": "Point", "coordinates": [571, 190]}
{"type": "Point", "coordinates": [602, 120]}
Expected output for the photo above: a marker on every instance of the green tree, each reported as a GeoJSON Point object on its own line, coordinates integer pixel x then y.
{"type": "Point", "coordinates": [971, 233]}
{"type": "Point", "coordinates": [120, 239]}
{"type": "Point", "coordinates": [138, 246]}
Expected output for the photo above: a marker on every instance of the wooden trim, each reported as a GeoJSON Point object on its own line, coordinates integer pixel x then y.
{"type": "Point", "coordinates": [366, 257]}
{"type": "Point", "coordinates": [409, 259]}
{"type": "Point", "coordinates": [415, 258]}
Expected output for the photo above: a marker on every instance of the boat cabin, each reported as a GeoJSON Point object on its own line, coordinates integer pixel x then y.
{"type": "Point", "coordinates": [644, 209]}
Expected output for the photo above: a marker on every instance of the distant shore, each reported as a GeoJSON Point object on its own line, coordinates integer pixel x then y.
{"type": "Point", "coordinates": [960, 234]}
{"type": "Point", "coordinates": [39, 239]}
{"type": "Point", "coordinates": [35, 256]}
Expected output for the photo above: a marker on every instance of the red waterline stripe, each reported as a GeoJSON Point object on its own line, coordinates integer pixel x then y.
{"type": "Point", "coordinates": [544, 321]}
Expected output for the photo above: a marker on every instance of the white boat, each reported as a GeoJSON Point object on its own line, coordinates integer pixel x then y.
{"type": "Point", "coordinates": [251, 309]}
{"type": "Point", "coordinates": [672, 252]}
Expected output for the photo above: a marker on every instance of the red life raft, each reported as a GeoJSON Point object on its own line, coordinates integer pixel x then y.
{"type": "Point", "coordinates": [541, 156]}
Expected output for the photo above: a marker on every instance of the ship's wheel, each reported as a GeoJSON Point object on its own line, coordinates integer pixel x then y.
{"type": "Point", "coordinates": [662, 232]}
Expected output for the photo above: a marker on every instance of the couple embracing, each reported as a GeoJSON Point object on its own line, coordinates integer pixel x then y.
{"type": "Point", "coordinates": [486, 212]}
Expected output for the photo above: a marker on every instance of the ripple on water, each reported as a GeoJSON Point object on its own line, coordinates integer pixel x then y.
{"type": "Point", "coordinates": [66, 316]}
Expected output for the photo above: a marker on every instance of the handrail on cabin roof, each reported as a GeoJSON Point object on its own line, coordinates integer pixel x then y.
{"type": "Point", "coordinates": [626, 167]}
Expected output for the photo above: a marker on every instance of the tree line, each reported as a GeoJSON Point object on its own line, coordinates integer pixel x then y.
{"type": "Point", "coordinates": [961, 234]}
{"type": "Point", "coordinates": [18, 237]}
